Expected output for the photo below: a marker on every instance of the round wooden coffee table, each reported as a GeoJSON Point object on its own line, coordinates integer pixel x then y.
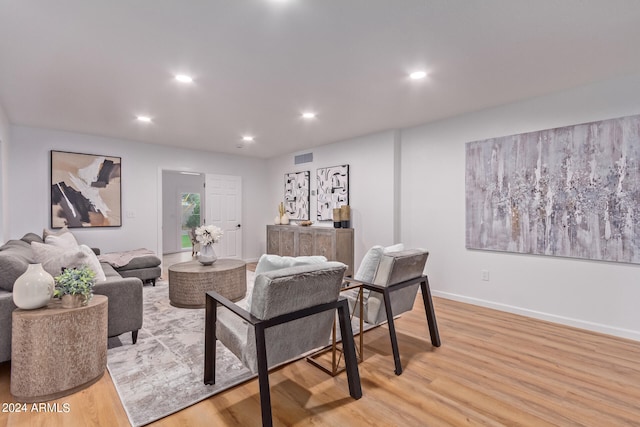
{"type": "Point", "coordinates": [57, 351]}
{"type": "Point", "coordinates": [190, 281]}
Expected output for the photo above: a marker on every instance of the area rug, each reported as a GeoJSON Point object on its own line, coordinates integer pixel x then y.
{"type": "Point", "coordinates": [163, 372]}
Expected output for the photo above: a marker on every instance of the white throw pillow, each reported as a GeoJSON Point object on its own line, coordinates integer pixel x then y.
{"type": "Point", "coordinates": [369, 265]}
{"type": "Point", "coordinates": [394, 248]}
{"type": "Point", "coordinates": [55, 258]}
{"type": "Point", "coordinates": [275, 262]}
{"type": "Point", "coordinates": [94, 263]}
{"type": "Point", "coordinates": [46, 233]}
{"type": "Point", "coordinates": [65, 240]}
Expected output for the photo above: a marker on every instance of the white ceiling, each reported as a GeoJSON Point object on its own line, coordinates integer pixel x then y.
{"type": "Point", "coordinates": [91, 66]}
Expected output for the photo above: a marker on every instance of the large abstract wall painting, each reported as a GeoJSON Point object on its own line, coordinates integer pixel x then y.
{"type": "Point", "coordinates": [296, 195]}
{"type": "Point", "coordinates": [571, 192]}
{"type": "Point", "coordinates": [333, 190]}
{"type": "Point", "coordinates": [85, 190]}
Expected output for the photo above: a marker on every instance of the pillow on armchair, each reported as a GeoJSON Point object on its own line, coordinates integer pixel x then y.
{"type": "Point", "coordinates": [276, 262]}
{"type": "Point", "coordinates": [369, 265]}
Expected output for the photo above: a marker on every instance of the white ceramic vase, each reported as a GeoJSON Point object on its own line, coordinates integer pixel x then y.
{"type": "Point", "coordinates": [284, 219]}
{"type": "Point", "coordinates": [34, 288]}
{"type": "Point", "coordinates": [207, 255]}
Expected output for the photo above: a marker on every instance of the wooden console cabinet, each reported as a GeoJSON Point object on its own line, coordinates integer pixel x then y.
{"type": "Point", "coordinates": [293, 240]}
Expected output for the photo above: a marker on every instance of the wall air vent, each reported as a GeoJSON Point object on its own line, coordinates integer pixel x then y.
{"type": "Point", "coordinates": [303, 158]}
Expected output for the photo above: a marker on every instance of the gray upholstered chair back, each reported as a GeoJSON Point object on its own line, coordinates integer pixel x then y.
{"type": "Point", "coordinates": [396, 267]}
{"type": "Point", "coordinates": [279, 292]}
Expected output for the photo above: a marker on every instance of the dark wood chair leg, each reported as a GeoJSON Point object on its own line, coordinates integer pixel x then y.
{"type": "Point", "coordinates": [211, 316]}
{"type": "Point", "coordinates": [431, 314]}
{"type": "Point", "coordinates": [134, 336]}
{"type": "Point", "coordinates": [392, 332]}
{"type": "Point", "coordinates": [263, 377]}
{"type": "Point", "coordinates": [350, 360]}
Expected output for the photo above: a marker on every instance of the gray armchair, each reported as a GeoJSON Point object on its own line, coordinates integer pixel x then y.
{"type": "Point", "coordinates": [292, 312]}
{"type": "Point", "coordinates": [393, 291]}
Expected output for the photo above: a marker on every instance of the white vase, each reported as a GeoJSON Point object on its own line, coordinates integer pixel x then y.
{"type": "Point", "coordinates": [207, 255]}
{"type": "Point", "coordinates": [284, 219]}
{"type": "Point", "coordinates": [277, 220]}
{"type": "Point", "coordinates": [34, 288]}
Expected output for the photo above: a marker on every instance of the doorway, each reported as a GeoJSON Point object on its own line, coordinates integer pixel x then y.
{"type": "Point", "coordinates": [220, 204]}
{"type": "Point", "coordinates": [190, 217]}
{"type": "Point", "coordinates": [183, 199]}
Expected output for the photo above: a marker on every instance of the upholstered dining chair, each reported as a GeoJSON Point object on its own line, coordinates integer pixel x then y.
{"type": "Point", "coordinates": [291, 313]}
{"type": "Point", "coordinates": [392, 291]}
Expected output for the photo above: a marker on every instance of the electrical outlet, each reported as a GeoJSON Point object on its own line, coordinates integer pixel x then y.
{"type": "Point", "coordinates": [484, 275]}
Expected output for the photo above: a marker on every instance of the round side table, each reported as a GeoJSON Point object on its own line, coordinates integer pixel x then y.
{"type": "Point", "coordinates": [190, 281]}
{"type": "Point", "coordinates": [57, 351]}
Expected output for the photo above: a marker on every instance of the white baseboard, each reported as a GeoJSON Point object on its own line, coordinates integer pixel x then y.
{"type": "Point", "coordinates": [582, 324]}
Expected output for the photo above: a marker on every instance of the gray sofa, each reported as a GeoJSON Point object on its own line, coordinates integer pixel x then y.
{"type": "Point", "coordinates": [124, 293]}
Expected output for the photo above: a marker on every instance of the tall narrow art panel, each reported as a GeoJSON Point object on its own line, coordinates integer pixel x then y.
{"type": "Point", "coordinates": [296, 195]}
{"type": "Point", "coordinates": [333, 190]}
{"type": "Point", "coordinates": [85, 190]}
{"type": "Point", "coordinates": [572, 191]}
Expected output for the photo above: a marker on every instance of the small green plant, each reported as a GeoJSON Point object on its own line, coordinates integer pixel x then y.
{"type": "Point", "coordinates": [75, 281]}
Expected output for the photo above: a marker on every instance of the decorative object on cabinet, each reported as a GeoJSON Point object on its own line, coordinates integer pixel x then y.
{"type": "Point", "coordinates": [337, 221]}
{"type": "Point", "coordinates": [336, 244]}
{"type": "Point", "coordinates": [333, 190]}
{"type": "Point", "coordinates": [345, 216]}
{"type": "Point", "coordinates": [85, 190]}
{"type": "Point", "coordinates": [296, 195]}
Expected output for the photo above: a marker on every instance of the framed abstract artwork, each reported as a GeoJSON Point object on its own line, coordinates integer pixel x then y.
{"type": "Point", "coordinates": [572, 192]}
{"type": "Point", "coordinates": [333, 190]}
{"type": "Point", "coordinates": [296, 195]}
{"type": "Point", "coordinates": [85, 190]}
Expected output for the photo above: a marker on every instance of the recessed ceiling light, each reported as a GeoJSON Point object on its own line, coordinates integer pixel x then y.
{"type": "Point", "coordinates": [247, 138]}
{"type": "Point", "coordinates": [183, 78]}
{"type": "Point", "coordinates": [308, 115]}
{"type": "Point", "coordinates": [144, 119]}
{"type": "Point", "coordinates": [417, 75]}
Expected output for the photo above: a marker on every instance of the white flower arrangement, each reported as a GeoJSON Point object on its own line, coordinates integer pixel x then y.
{"type": "Point", "coordinates": [208, 234]}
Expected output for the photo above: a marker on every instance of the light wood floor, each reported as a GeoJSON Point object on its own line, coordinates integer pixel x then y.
{"type": "Point", "coordinates": [494, 368]}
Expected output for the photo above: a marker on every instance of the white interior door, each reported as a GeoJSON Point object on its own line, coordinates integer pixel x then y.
{"type": "Point", "coordinates": [224, 209]}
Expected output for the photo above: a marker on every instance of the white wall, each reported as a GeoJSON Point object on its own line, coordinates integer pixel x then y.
{"type": "Point", "coordinates": [173, 185]}
{"type": "Point", "coordinates": [4, 147]}
{"type": "Point", "coordinates": [600, 296]}
{"type": "Point", "coordinates": [372, 177]}
{"type": "Point", "coordinates": [142, 166]}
